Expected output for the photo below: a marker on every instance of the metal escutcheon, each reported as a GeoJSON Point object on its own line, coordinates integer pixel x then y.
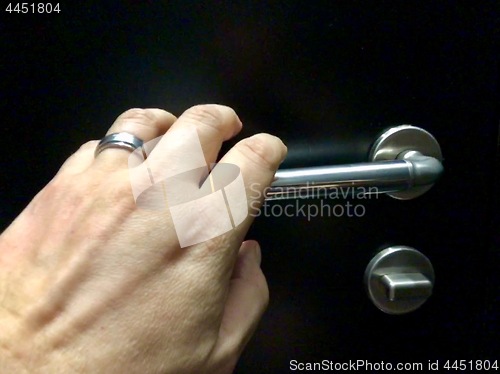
{"type": "Point", "coordinates": [399, 279]}
{"type": "Point", "coordinates": [404, 142]}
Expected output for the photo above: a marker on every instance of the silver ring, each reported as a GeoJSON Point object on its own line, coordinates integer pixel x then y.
{"type": "Point", "coordinates": [121, 140]}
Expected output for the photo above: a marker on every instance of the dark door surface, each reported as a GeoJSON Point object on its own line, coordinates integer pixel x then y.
{"type": "Point", "coordinates": [327, 77]}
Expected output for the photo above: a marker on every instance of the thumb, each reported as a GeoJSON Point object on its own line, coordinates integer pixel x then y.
{"type": "Point", "coordinates": [247, 300]}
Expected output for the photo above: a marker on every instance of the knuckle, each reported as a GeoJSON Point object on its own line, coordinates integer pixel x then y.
{"type": "Point", "coordinates": [56, 186]}
{"type": "Point", "coordinates": [85, 147]}
{"type": "Point", "coordinates": [91, 144]}
{"type": "Point", "coordinates": [210, 115]}
{"type": "Point", "coordinates": [206, 114]}
{"type": "Point", "coordinates": [260, 150]}
{"type": "Point", "coordinates": [216, 246]}
{"type": "Point", "coordinates": [137, 115]}
{"type": "Point", "coordinates": [119, 192]}
{"type": "Point", "coordinates": [63, 188]}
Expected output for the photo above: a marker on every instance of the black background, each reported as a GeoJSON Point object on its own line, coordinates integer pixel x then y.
{"type": "Point", "coordinates": [326, 77]}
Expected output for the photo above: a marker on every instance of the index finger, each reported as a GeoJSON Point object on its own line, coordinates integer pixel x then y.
{"type": "Point", "coordinates": [256, 159]}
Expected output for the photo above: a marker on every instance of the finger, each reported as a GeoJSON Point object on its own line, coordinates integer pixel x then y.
{"type": "Point", "coordinates": [217, 213]}
{"type": "Point", "coordinates": [146, 124]}
{"type": "Point", "coordinates": [81, 159]}
{"type": "Point", "coordinates": [172, 173]}
{"type": "Point", "coordinates": [258, 159]}
{"type": "Point", "coordinates": [222, 224]}
{"type": "Point", "coordinates": [195, 139]}
{"type": "Point", "coordinates": [221, 213]}
{"type": "Point", "coordinates": [247, 300]}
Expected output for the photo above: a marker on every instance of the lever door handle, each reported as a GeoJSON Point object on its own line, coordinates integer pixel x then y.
{"type": "Point", "coordinates": [405, 162]}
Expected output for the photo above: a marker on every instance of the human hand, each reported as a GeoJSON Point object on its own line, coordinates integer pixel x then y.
{"type": "Point", "coordinates": [91, 283]}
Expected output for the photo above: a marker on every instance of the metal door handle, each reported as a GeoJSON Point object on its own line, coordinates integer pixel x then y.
{"type": "Point", "coordinates": [405, 163]}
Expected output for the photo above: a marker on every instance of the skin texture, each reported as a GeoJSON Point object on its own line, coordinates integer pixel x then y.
{"type": "Point", "coordinates": [90, 283]}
